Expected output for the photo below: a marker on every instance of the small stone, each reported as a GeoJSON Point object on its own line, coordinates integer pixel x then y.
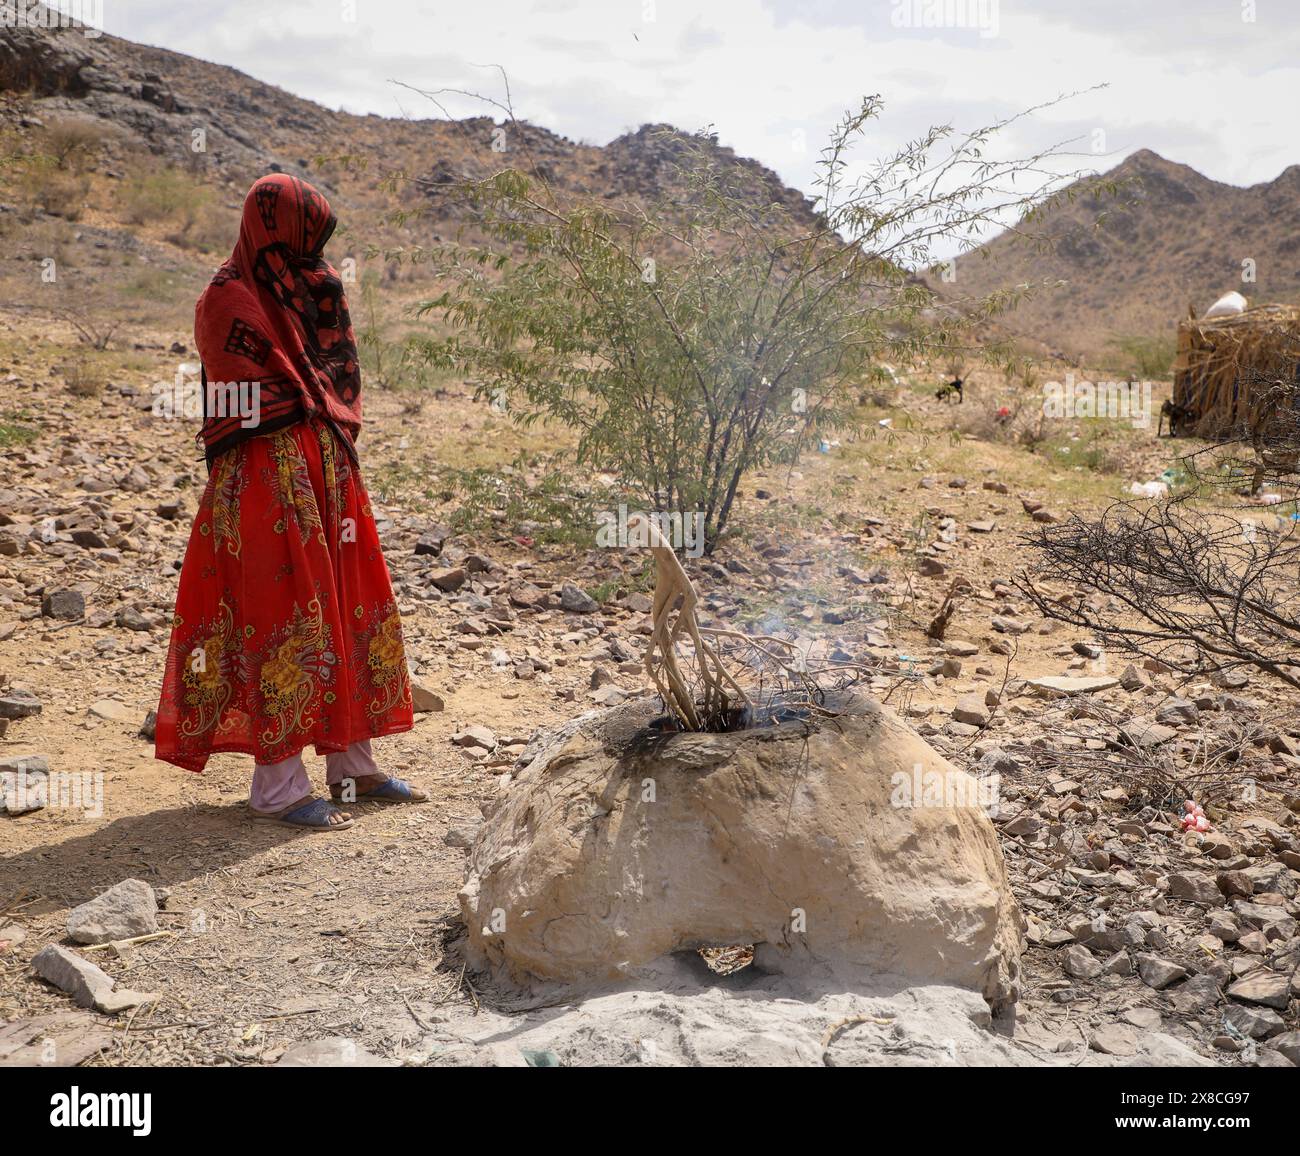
{"type": "Point", "coordinates": [110, 710]}
{"type": "Point", "coordinates": [67, 605]}
{"type": "Point", "coordinates": [1114, 1040]}
{"type": "Point", "coordinates": [24, 783]}
{"type": "Point", "coordinates": [128, 618]}
{"type": "Point", "coordinates": [1118, 964]}
{"type": "Point", "coordinates": [460, 836]}
{"type": "Point", "coordinates": [1235, 883]}
{"type": "Point", "coordinates": [1259, 1023]}
{"type": "Point", "coordinates": [1005, 625]}
{"type": "Point", "coordinates": [1178, 712]}
{"type": "Point", "coordinates": [576, 600]}
{"type": "Point", "coordinates": [475, 736]}
{"type": "Point", "coordinates": [431, 541]}
{"type": "Point", "coordinates": [1158, 973]}
{"type": "Point", "coordinates": [1198, 996]}
{"type": "Point", "coordinates": [16, 704]}
{"type": "Point", "coordinates": [1131, 678]}
{"type": "Point", "coordinates": [449, 581]}
{"type": "Point", "coordinates": [610, 695]}
{"type": "Point", "coordinates": [526, 596]}
{"type": "Point", "coordinates": [1289, 1045]}
{"type": "Point", "coordinates": [88, 985]}
{"type": "Point", "coordinates": [1195, 887]}
{"type": "Point", "coordinates": [1223, 925]}
{"type": "Point", "coordinates": [424, 700]}
{"type": "Point", "coordinates": [1142, 1017]}
{"type": "Point", "coordinates": [1080, 963]}
{"type": "Point", "coordinates": [970, 709]}
{"type": "Point", "coordinates": [124, 911]}
{"type": "Point", "coordinates": [1146, 733]}
{"type": "Point", "coordinates": [1270, 988]}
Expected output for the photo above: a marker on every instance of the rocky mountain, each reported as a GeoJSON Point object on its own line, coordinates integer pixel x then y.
{"type": "Point", "coordinates": [1134, 259]}
{"type": "Point", "coordinates": [230, 128]}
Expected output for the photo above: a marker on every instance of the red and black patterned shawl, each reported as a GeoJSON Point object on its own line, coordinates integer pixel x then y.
{"type": "Point", "coordinates": [275, 316]}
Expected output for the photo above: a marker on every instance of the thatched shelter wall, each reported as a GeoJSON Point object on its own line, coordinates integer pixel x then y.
{"type": "Point", "coordinates": [1236, 375]}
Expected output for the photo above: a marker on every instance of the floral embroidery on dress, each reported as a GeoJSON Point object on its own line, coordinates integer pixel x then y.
{"type": "Point", "coordinates": [294, 486]}
{"type": "Point", "coordinates": [296, 665]}
{"type": "Point", "coordinates": [228, 482]}
{"type": "Point", "coordinates": [207, 668]}
{"type": "Point", "coordinates": [385, 658]}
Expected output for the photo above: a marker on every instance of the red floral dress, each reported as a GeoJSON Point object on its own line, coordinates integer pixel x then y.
{"type": "Point", "coordinates": [286, 631]}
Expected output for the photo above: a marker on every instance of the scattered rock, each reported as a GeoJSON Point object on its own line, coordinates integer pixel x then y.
{"type": "Point", "coordinates": [475, 736]}
{"type": "Point", "coordinates": [124, 911]}
{"type": "Point", "coordinates": [1270, 988]}
{"type": "Point", "coordinates": [1080, 963]}
{"type": "Point", "coordinates": [970, 709]}
{"type": "Point", "coordinates": [576, 600]}
{"type": "Point", "coordinates": [1158, 973]}
{"type": "Point", "coordinates": [110, 710]}
{"type": "Point", "coordinates": [449, 581]}
{"type": "Point", "coordinates": [86, 983]}
{"type": "Point", "coordinates": [15, 704]}
{"type": "Point", "coordinates": [67, 605]}
{"type": "Point", "coordinates": [1196, 887]}
{"type": "Point", "coordinates": [424, 700]}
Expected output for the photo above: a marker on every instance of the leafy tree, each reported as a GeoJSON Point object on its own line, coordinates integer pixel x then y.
{"type": "Point", "coordinates": [712, 329]}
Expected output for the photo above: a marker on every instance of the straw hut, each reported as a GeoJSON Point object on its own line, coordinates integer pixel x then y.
{"type": "Point", "coordinates": [1239, 376]}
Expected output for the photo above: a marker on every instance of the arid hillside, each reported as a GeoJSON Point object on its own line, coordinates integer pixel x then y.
{"type": "Point", "coordinates": [1136, 246]}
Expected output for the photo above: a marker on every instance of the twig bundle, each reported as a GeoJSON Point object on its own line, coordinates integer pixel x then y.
{"type": "Point", "coordinates": [1229, 369]}
{"type": "Point", "coordinates": [710, 701]}
{"type": "Point", "coordinates": [703, 695]}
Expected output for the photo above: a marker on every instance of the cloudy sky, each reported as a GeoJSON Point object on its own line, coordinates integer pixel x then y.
{"type": "Point", "coordinates": [1209, 83]}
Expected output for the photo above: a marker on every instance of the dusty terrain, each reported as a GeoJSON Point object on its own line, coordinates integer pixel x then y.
{"type": "Point", "coordinates": [1135, 931]}
{"type": "Point", "coordinates": [277, 938]}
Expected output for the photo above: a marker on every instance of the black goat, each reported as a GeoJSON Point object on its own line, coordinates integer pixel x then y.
{"type": "Point", "coordinates": [946, 391]}
{"type": "Point", "coordinates": [1177, 415]}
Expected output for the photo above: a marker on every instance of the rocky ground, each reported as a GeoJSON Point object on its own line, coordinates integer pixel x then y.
{"type": "Point", "coordinates": [256, 944]}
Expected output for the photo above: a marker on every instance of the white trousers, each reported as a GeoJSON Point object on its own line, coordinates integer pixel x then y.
{"type": "Point", "coordinates": [277, 785]}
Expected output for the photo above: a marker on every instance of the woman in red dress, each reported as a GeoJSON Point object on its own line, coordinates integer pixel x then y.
{"type": "Point", "coordinates": [286, 633]}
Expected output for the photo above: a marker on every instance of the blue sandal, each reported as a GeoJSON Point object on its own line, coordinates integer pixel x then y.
{"type": "Point", "coordinates": [395, 791]}
{"type": "Point", "coordinates": [313, 815]}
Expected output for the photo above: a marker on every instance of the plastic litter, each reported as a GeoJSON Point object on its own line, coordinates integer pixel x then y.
{"type": "Point", "coordinates": [1149, 489]}
{"type": "Point", "coordinates": [1194, 817]}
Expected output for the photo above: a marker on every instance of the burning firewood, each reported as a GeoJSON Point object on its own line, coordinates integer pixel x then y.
{"type": "Point", "coordinates": [703, 695]}
{"type": "Point", "coordinates": [672, 616]}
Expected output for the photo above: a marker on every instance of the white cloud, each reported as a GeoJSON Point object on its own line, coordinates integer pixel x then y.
{"type": "Point", "coordinates": [1187, 78]}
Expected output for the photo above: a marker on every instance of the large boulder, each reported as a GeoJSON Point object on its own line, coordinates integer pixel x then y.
{"type": "Point", "coordinates": [840, 847]}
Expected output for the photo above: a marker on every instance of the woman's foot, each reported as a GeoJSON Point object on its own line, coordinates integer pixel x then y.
{"type": "Point", "coordinates": [381, 789]}
{"type": "Point", "coordinates": [311, 814]}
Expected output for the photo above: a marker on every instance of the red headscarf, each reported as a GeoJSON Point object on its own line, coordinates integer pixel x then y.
{"type": "Point", "coordinates": [275, 317]}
